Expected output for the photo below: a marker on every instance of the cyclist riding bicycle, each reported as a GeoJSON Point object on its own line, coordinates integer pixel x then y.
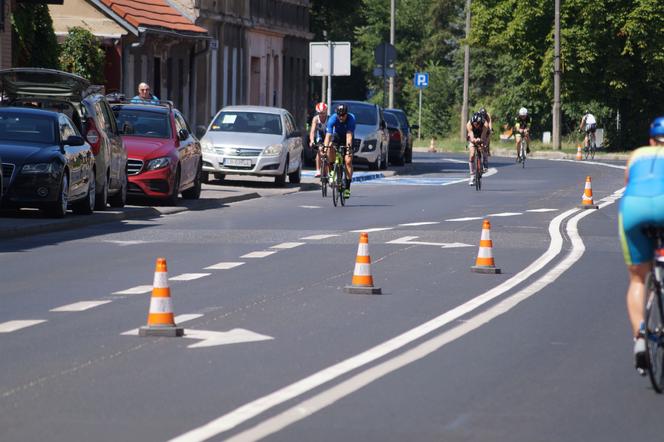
{"type": "Point", "coordinates": [487, 149]}
{"type": "Point", "coordinates": [642, 205]}
{"type": "Point", "coordinates": [317, 132]}
{"type": "Point", "coordinates": [342, 126]}
{"type": "Point", "coordinates": [588, 124]}
{"type": "Point", "coordinates": [478, 132]}
{"type": "Point", "coordinates": [522, 129]}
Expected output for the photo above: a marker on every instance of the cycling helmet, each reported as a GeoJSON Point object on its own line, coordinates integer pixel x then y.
{"type": "Point", "coordinates": [477, 118]}
{"type": "Point", "coordinates": [321, 108]}
{"type": "Point", "coordinates": [483, 112]}
{"type": "Point", "coordinates": [657, 128]}
{"type": "Point", "coordinates": [342, 109]}
{"type": "Point", "coordinates": [523, 112]}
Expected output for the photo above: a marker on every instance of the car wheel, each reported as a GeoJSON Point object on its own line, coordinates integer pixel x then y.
{"type": "Point", "coordinates": [120, 198]}
{"type": "Point", "coordinates": [194, 192]}
{"type": "Point", "coordinates": [101, 200]}
{"type": "Point", "coordinates": [172, 199]}
{"type": "Point", "coordinates": [87, 205]}
{"type": "Point", "coordinates": [409, 155]}
{"type": "Point", "coordinates": [281, 179]}
{"type": "Point", "coordinates": [296, 176]}
{"type": "Point", "coordinates": [59, 208]}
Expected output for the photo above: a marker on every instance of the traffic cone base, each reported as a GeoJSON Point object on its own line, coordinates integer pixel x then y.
{"type": "Point", "coordinates": [161, 321]}
{"type": "Point", "coordinates": [484, 262]}
{"type": "Point", "coordinates": [485, 269]}
{"type": "Point", "coordinates": [161, 330]}
{"type": "Point", "coordinates": [362, 283]}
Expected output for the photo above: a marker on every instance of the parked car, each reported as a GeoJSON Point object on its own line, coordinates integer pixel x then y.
{"type": "Point", "coordinates": [164, 156]}
{"type": "Point", "coordinates": [407, 130]}
{"type": "Point", "coordinates": [90, 113]}
{"type": "Point", "coordinates": [396, 145]}
{"type": "Point", "coordinates": [46, 163]}
{"type": "Point", "coordinates": [371, 137]}
{"type": "Point", "coordinates": [253, 140]}
{"type": "Point", "coordinates": [2, 179]}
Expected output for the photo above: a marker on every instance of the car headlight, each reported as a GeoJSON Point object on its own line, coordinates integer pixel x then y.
{"type": "Point", "coordinates": [273, 150]}
{"type": "Point", "coordinates": [158, 163]}
{"type": "Point", "coordinates": [39, 168]}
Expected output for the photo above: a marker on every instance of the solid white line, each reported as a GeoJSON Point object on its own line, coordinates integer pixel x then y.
{"type": "Point", "coordinates": [258, 406]}
{"type": "Point", "coordinates": [189, 276]}
{"type": "Point", "coordinates": [79, 306]}
{"type": "Point", "coordinates": [288, 245]}
{"type": "Point", "coordinates": [375, 229]}
{"type": "Point", "coordinates": [224, 266]}
{"type": "Point", "coordinates": [425, 223]}
{"type": "Point", "coordinates": [588, 162]}
{"type": "Point", "coordinates": [311, 207]}
{"type": "Point", "coordinates": [262, 254]}
{"type": "Point", "coordinates": [541, 210]}
{"type": "Point", "coordinates": [12, 326]}
{"type": "Point", "coordinates": [506, 214]}
{"type": "Point", "coordinates": [125, 243]}
{"type": "Point", "coordinates": [317, 237]}
{"type": "Point", "coordinates": [470, 218]}
{"type": "Point", "coordinates": [135, 290]}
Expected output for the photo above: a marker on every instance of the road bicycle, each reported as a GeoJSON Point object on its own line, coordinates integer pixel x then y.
{"type": "Point", "coordinates": [654, 333]}
{"type": "Point", "coordinates": [322, 154]}
{"type": "Point", "coordinates": [523, 151]}
{"type": "Point", "coordinates": [337, 177]}
{"type": "Point", "coordinates": [479, 165]}
{"type": "Point", "coordinates": [590, 148]}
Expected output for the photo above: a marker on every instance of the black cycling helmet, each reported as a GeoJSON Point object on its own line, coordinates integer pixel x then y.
{"type": "Point", "coordinates": [477, 118]}
{"type": "Point", "coordinates": [341, 109]}
{"type": "Point", "coordinates": [482, 112]}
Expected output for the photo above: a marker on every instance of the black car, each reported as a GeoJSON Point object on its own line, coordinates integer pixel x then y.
{"type": "Point", "coordinates": [407, 131]}
{"type": "Point", "coordinates": [397, 142]}
{"type": "Point", "coordinates": [46, 163]}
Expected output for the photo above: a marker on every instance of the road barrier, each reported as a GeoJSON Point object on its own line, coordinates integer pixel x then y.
{"type": "Point", "coordinates": [587, 198]}
{"type": "Point", "coordinates": [484, 262]}
{"type": "Point", "coordinates": [161, 321]}
{"type": "Point", "coordinates": [362, 283]}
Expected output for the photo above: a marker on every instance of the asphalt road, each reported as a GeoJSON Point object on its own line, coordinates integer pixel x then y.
{"type": "Point", "coordinates": [275, 349]}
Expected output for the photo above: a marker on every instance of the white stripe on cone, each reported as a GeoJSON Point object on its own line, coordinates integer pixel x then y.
{"type": "Point", "coordinates": [484, 252]}
{"type": "Point", "coordinates": [362, 269]}
{"type": "Point", "coordinates": [161, 305]}
{"type": "Point", "coordinates": [485, 234]}
{"type": "Point", "coordinates": [160, 280]}
{"type": "Point", "coordinates": [363, 249]}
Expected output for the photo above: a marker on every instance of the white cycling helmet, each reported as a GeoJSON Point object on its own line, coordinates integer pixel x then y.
{"type": "Point", "coordinates": [523, 112]}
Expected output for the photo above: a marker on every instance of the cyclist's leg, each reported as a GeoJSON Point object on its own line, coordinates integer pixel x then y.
{"type": "Point", "coordinates": [517, 137]}
{"type": "Point", "coordinates": [318, 171]}
{"type": "Point", "coordinates": [485, 156]}
{"type": "Point", "coordinates": [471, 162]}
{"type": "Point", "coordinates": [528, 142]}
{"type": "Point", "coordinates": [348, 159]}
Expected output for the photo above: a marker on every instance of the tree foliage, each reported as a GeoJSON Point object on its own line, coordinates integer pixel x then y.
{"type": "Point", "coordinates": [81, 54]}
{"type": "Point", "coordinates": [34, 42]}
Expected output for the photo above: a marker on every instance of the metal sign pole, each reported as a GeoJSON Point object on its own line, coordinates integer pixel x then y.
{"type": "Point", "coordinates": [419, 119]}
{"type": "Point", "coordinates": [329, 77]}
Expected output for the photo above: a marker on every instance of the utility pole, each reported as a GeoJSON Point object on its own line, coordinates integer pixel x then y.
{"type": "Point", "coordinates": [466, 72]}
{"type": "Point", "coordinates": [556, 78]}
{"type": "Point", "coordinates": [392, 9]}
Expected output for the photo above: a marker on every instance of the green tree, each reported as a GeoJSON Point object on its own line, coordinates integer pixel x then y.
{"type": "Point", "coordinates": [81, 54]}
{"type": "Point", "coordinates": [34, 42]}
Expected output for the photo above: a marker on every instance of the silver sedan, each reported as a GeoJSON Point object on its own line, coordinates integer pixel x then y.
{"type": "Point", "coordinates": [253, 140]}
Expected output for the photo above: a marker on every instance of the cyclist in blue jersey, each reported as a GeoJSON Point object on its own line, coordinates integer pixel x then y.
{"type": "Point", "coordinates": [641, 206]}
{"type": "Point", "coordinates": [342, 126]}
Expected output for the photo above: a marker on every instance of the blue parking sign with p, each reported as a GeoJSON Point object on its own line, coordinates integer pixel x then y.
{"type": "Point", "coordinates": [421, 80]}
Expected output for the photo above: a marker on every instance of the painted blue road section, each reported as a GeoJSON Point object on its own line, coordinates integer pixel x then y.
{"type": "Point", "coordinates": [357, 176]}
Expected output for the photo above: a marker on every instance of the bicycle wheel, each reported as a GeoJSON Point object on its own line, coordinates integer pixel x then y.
{"type": "Point", "coordinates": [341, 185]}
{"type": "Point", "coordinates": [655, 334]}
{"type": "Point", "coordinates": [335, 189]}
{"type": "Point", "coordinates": [523, 154]}
{"type": "Point", "coordinates": [478, 172]}
{"type": "Point", "coordinates": [323, 179]}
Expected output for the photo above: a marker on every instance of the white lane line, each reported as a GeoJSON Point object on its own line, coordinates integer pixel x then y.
{"type": "Point", "coordinates": [135, 290]}
{"type": "Point", "coordinates": [506, 214]}
{"type": "Point", "coordinates": [288, 245]}
{"type": "Point", "coordinates": [79, 306]}
{"type": "Point", "coordinates": [317, 237]}
{"type": "Point", "coordinates": [425, 223]}
{"type": "Point", "coordinates": [260, 405]}
{"type": "Point", "coordinates": [224, 266]}
{"type": "Point", "coordinates": [311, 207]}
{"type": "Point", "coordinates": [470, 218]}
{"type": "Point", "coordinates": [180, 319]}
{"type": "Point", "coordinates": [124, 243]}
{"type": "Point", "coordinates": [262, 254]}
{"type": "Point", "coordinates": [542, 210]}
{"type": "Point", "coordinates": [189, 276]}
{"type": "Point", "coordinates": [588, 162]}
{"type": "Point", "coordinates": [12, 326]}
{"type": "Point", "coordinates": [375, 229]}
{"type": "Point", "coordinates": [326, 398]}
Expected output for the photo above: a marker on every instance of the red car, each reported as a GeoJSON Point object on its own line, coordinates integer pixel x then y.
{"type": "Point", "coordinates": [164, 157]}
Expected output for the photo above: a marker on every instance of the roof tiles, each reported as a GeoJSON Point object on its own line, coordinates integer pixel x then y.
{"type": "Point", "coordinates": [152, 14]}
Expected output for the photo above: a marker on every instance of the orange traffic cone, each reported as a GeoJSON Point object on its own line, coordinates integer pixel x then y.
{"type": "Point", "coordinates": [160, 318]}
{"type": "Point", "coordinates": [362, 283]}
{"type": "Point", "coordinates": [579, 155]}
{"type": "Point", "coordinates": [484, 262]}
{"type": "Point", "coordinates": [587, 198]}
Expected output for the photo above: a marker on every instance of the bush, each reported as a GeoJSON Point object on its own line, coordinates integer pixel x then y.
{"type": "Point", "coordinates": [82, 55]}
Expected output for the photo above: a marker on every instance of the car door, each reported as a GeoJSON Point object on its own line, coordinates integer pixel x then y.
{"type": "Point", "coordinates": [186, 150]}
{"type": "Point", "coordinates": [118, 151]}
{"type": "Point", "coordinates": [75, 158]}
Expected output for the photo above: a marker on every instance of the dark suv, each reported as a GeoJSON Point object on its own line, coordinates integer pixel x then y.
{"type": "Point", "coordinates": [90, 112]}
{"type": "Point", "coordinates": [407, 132]}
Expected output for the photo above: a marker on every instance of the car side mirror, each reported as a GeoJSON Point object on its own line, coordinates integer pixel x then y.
{"type": "Point", "coordinates": [183, 134]}
{"type": "Point", "coordinates": [74, 140]}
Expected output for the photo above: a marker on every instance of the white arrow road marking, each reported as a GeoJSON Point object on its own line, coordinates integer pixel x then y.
{"type": "Point", "coordinates": [376, 229]}
{"type": "Point", "coordinates": [288, 245]}
{"type": "Point", "coordinates": [213, 338]}
{"type": "Point", "coordinates": [541, 210]}
{"type": "Point", "coordinates": [135, 290]}
{"type": "Point", "coordinates": [425, 223]}
{"type": "Point", "coordinates": [12, 326]}
{"type": "Point", "coordinates": [224, 266]}
{"type": "Point", "coordinates": [505, 214]}
{"type": "Point", "coordinates": [470, 218]}
{"type": "Point", "coordinates": [79, 306]}
{"type": "Point", "coordinates": [262, 254]}
{"type": "Point", "coordinates": [444, 245]}
{"type": "Point", "coordinates": [310, 207]}
{"type": "Point", "coordinates": [180, 319]}
{"type": "Point", "coordinates": [189, 276]}
{"type": "Point", "coordinates": [317, 237]}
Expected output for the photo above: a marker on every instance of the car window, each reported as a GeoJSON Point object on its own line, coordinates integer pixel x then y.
{"type": "Point", "coordinates": [66, 128]}
{"type": "Point", "coordinates": [27, 128]}
{"type": "Point", "coordinates": [250, 122]}
{"type": "Point", "coordinates": [109, 119]}
{"type": "Point", "coordinates": [364, 114]}
{"type": "Point", "coordinates": [142, 122]}
{"type": "Point", "coordinates": [180, 123]}
{"type": "Point", "coordinates": [402, 118]}
{"type": "Point", "coordinates": [391, 120]}
{"type": "Point", "coordinates": [290, 125]}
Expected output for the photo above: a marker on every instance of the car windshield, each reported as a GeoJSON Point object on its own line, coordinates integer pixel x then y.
{"type": "Point", "coordinates": [252, 122]}
{"type": "Point", "coordinates": [391, 120]}
{"type": "Point", "coordinates": [363, 114]}
{"type": "Point", "coordinates": [142, 122]}
{"type": "Point", "coordinates": [27, 128]}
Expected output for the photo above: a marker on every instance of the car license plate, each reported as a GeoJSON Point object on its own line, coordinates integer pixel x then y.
{"type": "Point", "coordinates": [236, 162]}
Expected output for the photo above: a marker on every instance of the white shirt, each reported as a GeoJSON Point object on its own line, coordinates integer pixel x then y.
{"type": "Point", "coordinates": [590, 119]}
